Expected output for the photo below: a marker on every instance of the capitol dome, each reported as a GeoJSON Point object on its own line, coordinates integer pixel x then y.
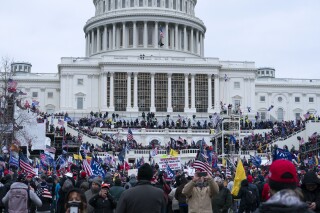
{"type": "Point", "coordinates": [133, 27]}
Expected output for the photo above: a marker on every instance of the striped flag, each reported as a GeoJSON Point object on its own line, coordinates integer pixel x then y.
{"type": "Point", "coordinates": [87, 167]}
{"type": "Point", "coordinates": [130, 135]}
{"type": "Point", "coordinates": [201, 163]}
{"type": "Point", "coordinates": [25, 164]}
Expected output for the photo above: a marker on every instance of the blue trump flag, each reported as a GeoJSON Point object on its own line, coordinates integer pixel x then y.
{"type": "Point", "coordinates": [283, 154]}
{"type": "Point", "coordinates": [256, 160]}
{"type": "Point", "coordinates": [170, 173]}
{"type": "Point", "coordinates": [97, 170]}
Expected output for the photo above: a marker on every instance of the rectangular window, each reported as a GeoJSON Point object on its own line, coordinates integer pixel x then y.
{"type": "Point", "coordinates": [149, 3]}
{"type": "Point", "coordinates": [167, 3]}
{"type": "Point", "coordinates": [140, 35]}
{"type": "Point", "coordinates": [158, 3]}
{"type": "Point", "coordinates": [297, 99]}
{"type": "Point", "coordinates": [104, 6]}
{"type": "Point", "coordinates": [263, 115]}
{"type": "Point", "coordinates": [140, 3]}
{"type": "Point", "coordinates": [267, 72]}
{"type": "Point", "coordinates": [109, 5]}
{"type": "Point", "coordinates": [130, 36]}
{"type": "Point", "coordinates": [236, 85]}
{"type": "Point", "coordinates": [298, 116]}
{"type": "Point", "coordinates": [116, 4]}
{"type": "Point", "coordinates": [131, 3]}
{"type": "Point", "coordinates": [311, 100]}
{"type": "Point", "coordinates": [50, 94]}
{"type": "Point", "coordinates": [123, 3]}
{"type": "Point", "coordinates": [174, 4]}
{"type": "Point", "coordinates": [34, 94]}
{"type": "Point", "coordinates": [262, 72]}
{"type": "Point", "coordinates": [186, 7]}
{"type": "Point", "coordinates": [79, 102]}
{"type": "Point", "coordinates": [262, 98]}
{"type": "Point", "coordinates": [150, 35]}
{"type": "Point", "coordinates": [180, 5]}
{"type": "Point", "coordinates": [80, 81]}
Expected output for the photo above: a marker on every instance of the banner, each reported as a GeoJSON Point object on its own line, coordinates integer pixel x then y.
{"type": "Point", "coordinates": [174, 163]}
{"type": "Point", "coordinates": [283, 154]}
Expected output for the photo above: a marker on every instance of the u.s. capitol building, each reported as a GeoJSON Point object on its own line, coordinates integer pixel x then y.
{"type": "Point", "coordinates": [148, 56]}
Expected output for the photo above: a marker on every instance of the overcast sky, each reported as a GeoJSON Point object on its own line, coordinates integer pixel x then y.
{"type": "Point", "coordinates": [282, 34]}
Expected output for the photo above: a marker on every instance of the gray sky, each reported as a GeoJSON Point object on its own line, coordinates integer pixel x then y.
{"type": "Point", "coordinates": [281, 34]}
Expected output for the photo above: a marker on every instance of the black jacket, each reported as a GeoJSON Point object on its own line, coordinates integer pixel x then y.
{"type": "Point", "coordinates": [222, 201]}
{"type": "Point", "coordinates": [102, 205]}
{"type": "Point", "coordinates": [284, 201]}
{"type": "Point", "coordinates": [311, 196]}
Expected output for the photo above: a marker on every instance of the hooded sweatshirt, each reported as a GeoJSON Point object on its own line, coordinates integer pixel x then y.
{"type": "Point", "coordinates": [311, 196]}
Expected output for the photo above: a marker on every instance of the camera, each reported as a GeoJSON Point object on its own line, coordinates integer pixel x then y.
{"type": "Point", "coordinates": [74, 206]}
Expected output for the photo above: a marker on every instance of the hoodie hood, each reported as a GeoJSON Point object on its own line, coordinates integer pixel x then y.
{"type": "Point", "coordinates": [310, 177]}
{"type": "Point", "coordinates": [284, 201]}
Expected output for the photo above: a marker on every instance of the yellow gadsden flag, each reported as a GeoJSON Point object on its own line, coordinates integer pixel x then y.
{"type": "Point", "coordinates": [240, 176]}
{"type": "Point", "coordinates": [174, 153]}
{"type": "Point", "coordinates": [77, 157]}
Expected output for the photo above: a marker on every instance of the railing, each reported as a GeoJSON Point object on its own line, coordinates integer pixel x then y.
{"type": "Point", "coordinates": [289, 136]}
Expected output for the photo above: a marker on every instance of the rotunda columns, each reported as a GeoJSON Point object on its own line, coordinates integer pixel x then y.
{"type": "Point", "coordinates": [169, 109]}
{"type": "Point", "coordinates": [156, 33]}
{"type": "Point", "coordinates": [197, 42]}
{"type": "Point", "coordinates": [92, 41]}
{"type": "Point", "coordinates": [145, 35]}
{"type": "Point", "coordinates": [202, 44]}
{"type": "Point", "coordinates": [114, 36]}
{"type": "Point", "coordinates": [176, 43]}
{"type": "Point", "coordinates": [111, 106]}
{"type": "Point", "coordinates": [185, 48]}
{"type": "Point", "coordinates": [134, 34]}
{"type": "Point", "coordinates": [124, 40]}
{"type": "Point", "coordinates": [98, 40]}
{"type": "Point", "coordinates": [105, 38]}
{"type": "Point", "coordinates": [166, 36]}
{"type": "Point", "coordinates": [186, 92]}
{"type": "Point", "coordinates": [191, 41]}
{"type": "Point", "coordinates": [129, 108]}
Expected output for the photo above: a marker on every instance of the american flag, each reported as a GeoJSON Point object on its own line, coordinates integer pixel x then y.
{"type": "Point", "coordinates": [130, 135]}
{"type": "Point", "coordinates": [87, 167]}
{"type": "Point", "coordinates": [201, 162]}
{"type": "Point", "coordinates": [25, 164]}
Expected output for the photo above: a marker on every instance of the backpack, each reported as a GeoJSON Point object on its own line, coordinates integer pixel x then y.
{"type": "Point", "coordinates": [250, 198]}
{"type": "Point", "coordinates": [18, 200]}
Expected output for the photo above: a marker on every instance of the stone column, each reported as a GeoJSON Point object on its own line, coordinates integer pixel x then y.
{"type": "Point", "coordinates": [152, 105]}
{"type": "Point", "coordinates": [86, 53]}
{"type": "Point", "coordinates": [169, 109]}
{"type": "Point", "coordinates": [105, 38]}
{"type": "Point", "coordinates": [135, 92]}
{"type": "Point", "coordinates": [111, 107]}
{"type": "Point", "coordinates": [89, 39]}
{"type": "Point", "coordinates": [216, 93]}
{"type": "Point", "coordinates": [134, 34]}
{"type": "Point", "coordinates": [129, 107]}
{"type": "Point", "coordinates": [191, 41]}
{"type": "Point", "coordinates": [202, 44]}
{"type": "Point", "coordinates": [114, 36]}
{"type": "Point", "coordinates": [197, 42]}
{"type": "Point", "coordinates": [145, 35]}
{"type": "Point", "coordinates": [209, 93]}
{"type": "Point", "coordinates": [193, 91]}
{"type": "Point", "coordinates": [92, 41]}
{"type": "Point", "coordinates": [176, 43]}
{"type": "Point", "coordinates": [156, 33]}
{"type": "Point", "coordinates": [124, 40]}
{"type": "Point", "coordinates": [185, 38]}
{"type": "Point", "coordinates": [98, 40]}
{"type": "Point", "coordinates": [103, 89]}
{"type": "Point", "coordinates": [166, 35]}
{"type": "Point", "coordinates": [186, 92]}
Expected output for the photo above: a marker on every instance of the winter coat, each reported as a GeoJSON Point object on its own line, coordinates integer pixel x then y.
{"type": "Point", "coordinates": [223, 201]}
{"type": "Point", "coordinates": [116, 192]}
{"type": "Point", "coordinates": [245, 186]}
{"type": "Point", "coordinates": [102, 205]}
{"type": "Point", "coordinates": [175, 203]}
{"type": "Point", "coordinates": [199, 198]}
{"type": "Point", "coordinates": [179, 196]}
{"type": "Point", "coordinates": [311, 196]}
{"type": "Point", "coordinates": [90, 194]}
{"type": "Point", "coordinates": [143, 198]}
{"type": "Point", "coordinates": [18, 185]}
{"type": "Point", "coordinates": [284, 201]}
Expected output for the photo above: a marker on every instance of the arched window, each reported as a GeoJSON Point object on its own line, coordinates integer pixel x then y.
{"type": "Point", "coordinates": [280, 114]}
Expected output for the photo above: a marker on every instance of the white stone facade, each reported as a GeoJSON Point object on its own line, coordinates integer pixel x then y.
{"type": "Point", "coordinates": [126, 70]}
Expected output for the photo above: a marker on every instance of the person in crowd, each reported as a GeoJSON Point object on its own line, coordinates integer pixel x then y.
{"type": "Point", "coordinates": [199, 193]}
{"type": "Point", "coordinates": [19, 196]}
{"type": "Point", "coordinates": [182, 200]}
{"type": "Point", "coordinates": [116, 190]}
{"type": "Point", "coordinates": [174, 201]}
{"type": "Point", "coordinates": [311, 190]}
{"type": "Point", "coordinates": [81, 179]}
{"type": "Point", "coordinates": [6, 181]}
{"type": "Point", "coordinates": [223, 201]}
{"type": "Point", "coordinates": [45, 195]}
{"type": "Point", "coordinates": [143, 198]}
{"type": "Point", "coordinates": [84, 186]}
{"type": "Point", "coordinates": [94, 190]}
{"type": "Point", "coordinates": [103, 202]}
{"type": "Point", "coordinates": [254, 189]}
{"type": "Point", "coordinates": [76, 199]}
{"type": "Point", "coordinates": [132, 182]}
{"type": "Point", "coordinates": [67, 183]}
{"type": "Point", "coordinates": [285, 196]}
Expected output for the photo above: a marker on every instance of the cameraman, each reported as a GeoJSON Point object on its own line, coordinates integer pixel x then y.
{"type": "Point", "coordinates": [103, 202]}
{"type": "Point", "coordinates": [199, 192]}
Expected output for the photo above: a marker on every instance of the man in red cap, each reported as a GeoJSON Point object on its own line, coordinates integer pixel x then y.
{"type": "Point", "coordinates": [283, 182]}
{"type": "Point", "coordinates": [81, 179]}
{"type": "Point", "coordinates": [103, 201]}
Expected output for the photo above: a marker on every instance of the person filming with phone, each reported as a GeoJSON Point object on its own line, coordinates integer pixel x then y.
{"type": "Point", "coordinates": [103, 202]}
{"type": "Point", "coordinates": [200, 191]}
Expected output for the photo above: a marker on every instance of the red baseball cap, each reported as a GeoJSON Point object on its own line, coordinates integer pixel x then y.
{"type": "Point", "coordinates": [283, 171]}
